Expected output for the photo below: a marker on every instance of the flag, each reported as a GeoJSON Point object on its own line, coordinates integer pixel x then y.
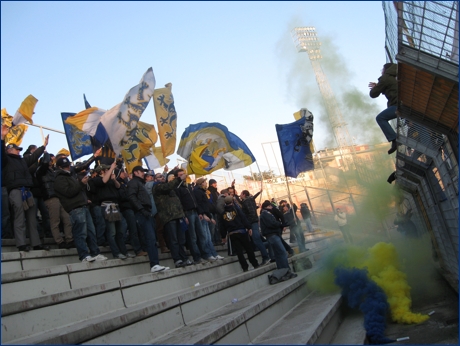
{"type": "Point", "coordinates": [101, 139]}
{"type": "Point", "coordinates": [89, 121]}
{"type": "Point", "coordinates": [156, 160]}
{"type": "Point", "coordinates": [122, 119]}
{"type": "Point", "coordinates": [140, 144]}
{"type": "Point", "coordinates": [210, 146]}
{"type": "Point", "coordinates": [295, 139]}
{"type": "Point", "coordinates": [16, 133]}
{"type": "Point", "coordinates": [79, 142]}
{"type": "Point", "coordinates": [25, 111]}
{"type": "Point", "coordinates": [304, 112]}
{"type": "Point", "coordinates": [166, 115]}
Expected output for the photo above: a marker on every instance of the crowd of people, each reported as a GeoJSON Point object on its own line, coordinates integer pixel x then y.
{"type": "Point", "coordinates": [86, 208]}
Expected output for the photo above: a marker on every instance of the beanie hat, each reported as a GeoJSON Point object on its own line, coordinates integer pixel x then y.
{"type": "Point", "coordinates": [265, 204]}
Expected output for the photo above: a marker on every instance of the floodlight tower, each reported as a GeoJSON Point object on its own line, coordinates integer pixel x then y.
{"type": "Point", "coordinates": [306, 40]}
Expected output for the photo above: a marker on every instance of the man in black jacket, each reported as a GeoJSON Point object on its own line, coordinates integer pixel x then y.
{"type": "Point", "coordinates": [203, 204]}
{"type": "Point", "coordinates": [213, 194]}
{"type": "Point", "coordinates": [45, 176]}
{"type": "Point", "coordinates": [142, 206]}
{"type": "Point", "coordinates": [73, 199]}
{"type": "Point", "coordinates": [272, 229]}
{"type": "Point", "coordinates": [238, 229]}
{"type": "Point", "coordinates": [194, 233]}
{"type": "Point", "coordinates": [18, 181]}
{"type": "Point", "coordinates": [249, 207]}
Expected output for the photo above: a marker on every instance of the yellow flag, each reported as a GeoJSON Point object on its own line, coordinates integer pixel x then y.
{"type": "Point", "coordinates": [166, 115]}
{"type": "Point", "coordinates": [16, 134]}
{"type": "Point", "coordinates": [6, 118]}
{"type": "Point", "coordinates": [25, 111]}
{"type": "Point", "coordinates": [139, 145]}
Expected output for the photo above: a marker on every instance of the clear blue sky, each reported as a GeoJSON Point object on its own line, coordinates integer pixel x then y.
{"type": "Point", "coordinates": [229, 62]}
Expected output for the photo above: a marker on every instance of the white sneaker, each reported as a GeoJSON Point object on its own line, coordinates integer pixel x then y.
{"type": "Point", "coordinates": [219, 257]}
{"type": "Point", "coordinates": [130, 255]}
{"type": "Point", "coordinates": [158, 268]}
{"type": "Point", "coordinates": [211, 259]}
{"type": "Point", "coordinates": [88, 259]}
{"type": "Point", "coordinates": [100, 258]}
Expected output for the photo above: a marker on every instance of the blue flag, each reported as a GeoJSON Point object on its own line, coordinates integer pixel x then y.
{"type": "Point", "coordinates": [295, 140]}
{"type": "Point", "coordinates": [79, 142]}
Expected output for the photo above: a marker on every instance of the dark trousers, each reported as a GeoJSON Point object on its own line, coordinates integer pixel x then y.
{"type": "Point", "coordinates": [240, 242]}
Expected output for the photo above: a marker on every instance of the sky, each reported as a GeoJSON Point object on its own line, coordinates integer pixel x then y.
{"type": "Point", "coordinates": [229, 62]}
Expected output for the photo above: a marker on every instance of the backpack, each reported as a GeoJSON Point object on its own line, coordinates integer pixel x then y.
{"type": "Point", "coordinates": [280, 275]}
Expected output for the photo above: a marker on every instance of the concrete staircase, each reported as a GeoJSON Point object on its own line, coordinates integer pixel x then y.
{"type": "Point", "coordinates": [50, 297]}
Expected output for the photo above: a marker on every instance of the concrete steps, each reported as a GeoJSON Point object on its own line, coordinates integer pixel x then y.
{"type": "Point", "coordinates": [115, 302]}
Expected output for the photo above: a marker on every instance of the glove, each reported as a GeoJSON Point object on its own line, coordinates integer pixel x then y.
{"type": "Point", "coordinates": [146, 213]}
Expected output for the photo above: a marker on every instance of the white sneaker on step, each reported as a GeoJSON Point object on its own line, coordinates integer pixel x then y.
{"type": "Point", "coordinates": [88, 259]}
{"type": "Point", "coordinates": [158, 268]}
{"type": "Point", "coordinates": [219, 257]}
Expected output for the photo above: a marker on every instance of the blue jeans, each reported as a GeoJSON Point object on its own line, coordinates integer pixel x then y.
{"type": "Point", "coordinates": [309, 225]}
{"type": "Point", "coordinates": [134, 235]}
{"type": "Point", "coordinates": [207, 233]}
{"type": "Point", "coordinates": [279, 251]}
{"type": "Point", "coordinates": [147, 225]}
{"type": "Point", "coordinates": [382, 119]}
{"type": "Point", "coordinates": [258, 241]}
{"type": "Point", "coordinates": [84, 234]}
{"type": "Point", "coordinates": [116, 237]}
{"type": "Point", "coordinates": [195, 234]}
{"type": "Point", "coordinates": [99, 224]}
{"type": "Point", "coordinates": [176, 238]}
{"type": "Point", "coordinates": [298, 232]}
{"type": "Point", "coordinates": [215, 231]}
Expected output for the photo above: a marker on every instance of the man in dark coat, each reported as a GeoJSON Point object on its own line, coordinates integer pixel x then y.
{"type": "Point", "coordinates": [388, 86]}
{"type": "Point", "coordinates": [18, 181]}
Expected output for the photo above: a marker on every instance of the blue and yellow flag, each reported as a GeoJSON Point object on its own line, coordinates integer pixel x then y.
{"type": "Point", "coordinates": [295, 141]}
{"type": "Point", "coordinates": [166, 115]}
{"type": "Point", "coordinates": [120, 120]}
{"type": "Point", "coordinates": [140, 144]}
{"type": "Point", "coordinates": [79, 142]}
{"type": "Point", "coordinates": [208, 147]}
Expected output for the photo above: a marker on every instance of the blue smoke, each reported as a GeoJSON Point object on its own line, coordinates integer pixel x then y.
{"type": "Point", "coordinates": [364, 294]}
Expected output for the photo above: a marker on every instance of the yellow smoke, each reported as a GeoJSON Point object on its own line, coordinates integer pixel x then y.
{"type": "Point", "coordinates": [381, 262]}
{"type": "Point", "coordinates": [383, 268]}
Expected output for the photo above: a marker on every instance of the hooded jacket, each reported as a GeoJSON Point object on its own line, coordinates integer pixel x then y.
{"type": "Point", "coordinates": [168, 203]}
{"type": "Point", "coordinates": [69, 191]}
{"type": "Point", "coordinates": [388, 86]}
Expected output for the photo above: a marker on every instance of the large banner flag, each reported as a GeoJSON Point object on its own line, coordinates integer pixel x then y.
{"type": "Point", "coordinates": [140, 144]}
{"type": "Point", "coordinates": [210, 146]}
{"type": "Point", "coordinates": [25, 111]}
{"type": "Point", "coordinates": [79, 141]}
{"type": "Point", "coordinates": [122, 119]}
{"type": "Point", "coordinates": [16, 133]}
{"type": "Point", "coordinates": [89, 121]}
{"type": "Point", "coordinates": [166, 115]}
{"type": "Point", "coordinates": [295, 140]}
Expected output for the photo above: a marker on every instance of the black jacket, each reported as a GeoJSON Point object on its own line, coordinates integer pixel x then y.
{"type": "Point", "coordinates": [69, 191]}
{"type": "Point", "coordinates": [269, 225]}
{"type": "Point", "coordinates": [15, 169]}
{"type": "Point", "coordinates": [187, 198]}
{"type": "Point", "coordinates": [46, 177]}
{"type": "Point", "coordinates": [250, 208]}
{"type": "Point", "coordinates": [106, 192]}
{"type": "Point", "coordinates": [138, 195]}
{"type": "Point", "coordinates": [213, 195]}
{"type": "Point", "coordinates": [202, 201]}
{"type": "Point", "coordinates": [234, 219]}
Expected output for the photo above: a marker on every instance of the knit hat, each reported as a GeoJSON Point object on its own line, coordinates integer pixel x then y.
{"type": "Point", "coordinates": [212, 181]}
{"type": "Point", "coordinates": [200, 181]}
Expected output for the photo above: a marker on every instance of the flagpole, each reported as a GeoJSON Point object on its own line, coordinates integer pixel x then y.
{"type": "Point", "coordinates": [261, 182]}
